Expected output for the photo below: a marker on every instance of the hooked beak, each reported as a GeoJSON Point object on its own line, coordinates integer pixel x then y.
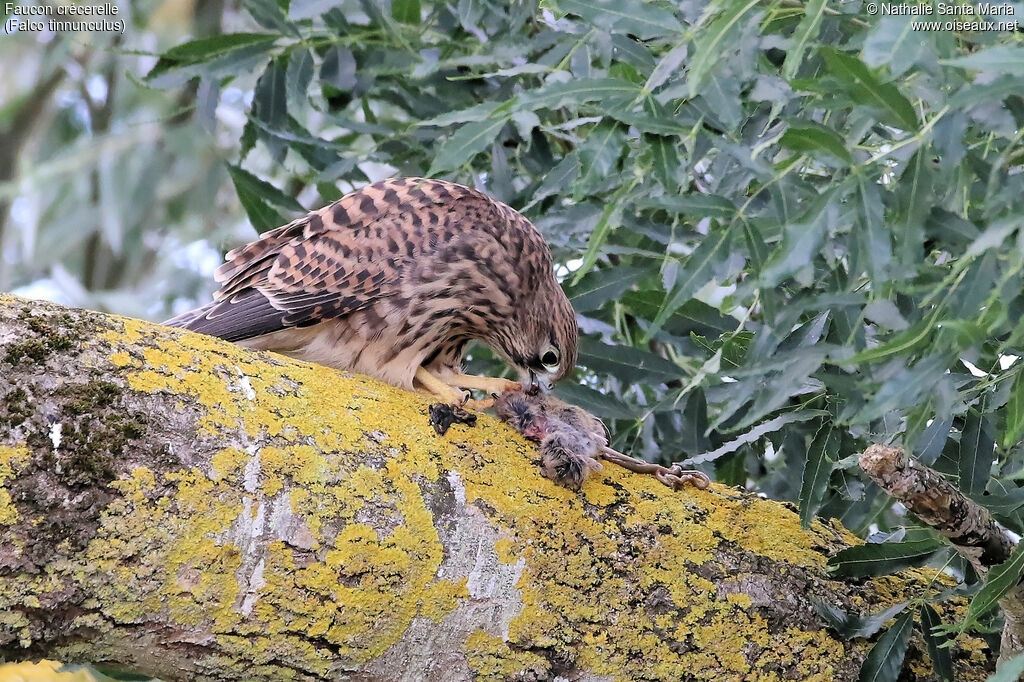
{"type": "Point", "coordinates": [535, 385]}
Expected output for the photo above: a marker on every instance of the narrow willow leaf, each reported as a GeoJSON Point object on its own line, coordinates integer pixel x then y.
{"type": "Point", "coordinates": [865, 88]}
{"type": "Point", "coordinates": [712, 42]}
{"type": "Point", "coordinates": [755, 433]}
{"type": "Point", "coordinates": [801, 240]}
{"type": "Point", "coordinates": [1000, 580]}
{"type": "Point", "coordinates": [821, 454]}
{"type": "Point", "coordinates": [406, 11]}
{"type": "Point", "coordinates": [555, 95]}
{"type": "Point", "coordinates": [882, 558]}
{"type": "Point", "coordinates": [806, 31]}
{"type": "Point", "coordinates": [558, 180]}
{"type": "Point", "coordinates": [629, 364]}
{"type": "Point", "coordinates": [875, 239]}
{"type": "Point", "coordinates": [818, 140]}
{"type": "Point", "coordinates": [272, 195]}
{"type": "Point", "coordinates": [667, 67]}
{"type": "Point", "coordinates": [298, 77]}
{"type": "Point", "coordinates": [208, 49]}
{"type": "Point", "coordinates": [599, 154]}
{"type": "Point", "coordinates": [610, 217]}
{"type": "Point", "coordinates": [269, 99]}
{"type": "Point", "coordinates": [599, 404]}
{"type": "Point", "coordinates": [697, 272]}
{"type": "Point", "coordinates": [938, 651]}
{"type": "Point", "coordinates": [1008, 59]}
{"type": "Point", "coordinates": [694, 206]}
{"type": "Point", "coordinates": [339, 68]}
{"type": "Point", "coordinates": [977, 450]}
{"type": "Point", "coordinates": [664, 159]}
{"type": "Point", "coordinates": [466, 142]}
{"type": "Point", "coordinates": [851, 627]}
{"type": "Point", "coordinates": [600, 286]}
{"type": "Point", "coordinates": [885, 660]}
{"type": "Point", "coordinates": [643, 19]}
{"type": "Point", "coordinates": [1014, 413]}
{"type": "Point", "coordinates": [929, 445]}
{"type": "Point", "coordinates": [248, 186]}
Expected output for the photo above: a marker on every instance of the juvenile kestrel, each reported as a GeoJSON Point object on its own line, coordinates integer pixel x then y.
{"type": "Point", "coordinates": [393, 281]}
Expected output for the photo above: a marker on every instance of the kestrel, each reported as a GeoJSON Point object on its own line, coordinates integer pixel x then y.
{"type": "Point", "coordinates": [393, 281]}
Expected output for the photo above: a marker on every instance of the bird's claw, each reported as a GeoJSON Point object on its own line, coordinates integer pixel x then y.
{"type": "Point", "coordinates": [676, 477]}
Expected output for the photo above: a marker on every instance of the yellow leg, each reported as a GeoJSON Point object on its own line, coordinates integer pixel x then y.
{"type": "Point", "coordinates": [486, 384]}
{"type": "Point", "coordinates": [439, 389]}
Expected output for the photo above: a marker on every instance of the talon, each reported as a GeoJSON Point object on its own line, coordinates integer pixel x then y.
{"type": "Point", "coordinates": [479, 405]}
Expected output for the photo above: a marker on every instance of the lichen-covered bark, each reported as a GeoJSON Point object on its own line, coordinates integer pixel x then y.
{"type": "Point", "coordinates": [187, 508]}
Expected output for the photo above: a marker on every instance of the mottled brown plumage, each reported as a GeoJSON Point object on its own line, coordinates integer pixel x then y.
{"type": "Point", "coordinates": [392, 281]}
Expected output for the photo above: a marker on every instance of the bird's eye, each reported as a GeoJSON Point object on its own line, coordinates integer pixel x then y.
{"type": "Point", "coordinates": [550, 360]}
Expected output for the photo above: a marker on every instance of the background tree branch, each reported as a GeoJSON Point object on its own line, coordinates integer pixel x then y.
{"type": "Point", "coordinates": [184, 507]}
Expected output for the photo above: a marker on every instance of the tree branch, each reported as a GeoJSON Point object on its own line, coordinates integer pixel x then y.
{"type": "Point", "coordinates": [969, 527]}
{"type": "Point", "coordinates": [183, 507]}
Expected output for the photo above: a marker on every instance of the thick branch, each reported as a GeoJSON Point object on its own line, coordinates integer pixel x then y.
{"type": "Point", "coordinates": [969, 527]}
{"type": "Point", "coordinates": [183, 507]}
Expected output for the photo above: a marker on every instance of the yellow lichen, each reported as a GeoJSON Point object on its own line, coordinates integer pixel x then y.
{"type": "Point", "coordinates": [611, 577]}
{"type": "Point", "coordinates": [43, 671]}
{"type": "Point", "coordinates": [11, 460]}
{"type": "Point", "coordinates": [491, 660]}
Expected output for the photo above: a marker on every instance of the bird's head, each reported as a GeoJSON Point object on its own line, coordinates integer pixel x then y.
{"type": "Point", "coordinates": [544, 349]}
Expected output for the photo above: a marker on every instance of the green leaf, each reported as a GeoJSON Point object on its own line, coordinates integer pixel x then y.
{"type": "Point", "coordinates": [209, 49]}
{"type": "Point", "coordinates": [597, 287]}
{"type": "Point", "coordinates": [885, 660]}
{"type": "Point", "coordinates": [865, 88]}
{"type": "Point", "coordinates": [1008, 59]}
{"type": "Point", "coordinates": [598, 404]}
{"type": "Point", "coordinates": [629, 364]}
{"type": "Point", "coordinates": [712, 39]}
{"type": "Point", "coordinates": [938, 650]}
{"type": "Point", "coordinates": [852, 627]}
{"type": "Point", "coordinates": [1014, 413]}
{"type": "Point", "coordinates": [269, 100]}
{"type": "Point", "coordinates": [599, 154]}
{"type": "Point", "coordinates": [928, 446]}
{"type": "Point", "coordinates": [339, 68]}
{"type": "Point", "coordinates": [406, 11]}
{"type": "Point", "coordinates": [1010, 671]}
{"type": "Point", "coordinates": [558, 179]}
{"type": "Point", "coordinates": [977, 449]}
{"type": "Point", "coordinates": [805, 32]}
{"type": "Point", "coordinates": [574, 93]}
{"type": "Point", "coordinates": [698, 271]}
{"type": "Point", "coordinates": [818, 140]}
{"type": "Point", "coordinates": [466, 142]}
{"type": "Point", "coordinates": [665, 161]}
{"type": "Point", "coordinates": [881, 559]}
{"type": "Point", "coordinates": [823, 451]}
{"type": "Point", "coordinates": [609, 220]}
{"type": "Point", "coordinates": [643, 19]}
{"type": "Point", "coordinates": [1000, 580]}
{"type": "Point", "coordinates": [875, 240]}
{"type": "Point", "coordinates": [249, 189]}
{"type": "Point", "coordinates": [693, 206]}
{"type": "Point", "coordinates": [801, 240]}
{"type": "Point", "coordinates": [298, 77]}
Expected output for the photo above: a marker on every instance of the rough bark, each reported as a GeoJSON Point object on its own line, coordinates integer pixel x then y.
{"type": "Point", "coordinates": [187, 508]}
